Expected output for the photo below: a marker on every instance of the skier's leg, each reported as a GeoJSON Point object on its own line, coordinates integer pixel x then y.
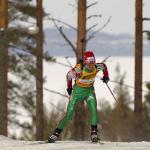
{"type": "Point", "coordinates": [70, 109]}
{"type": "Point", "coordinates": [94, 134]}
{"type": "Point", "coordinates": [53, 137]}
{"type": "Point", "coordinates": [92, 105]}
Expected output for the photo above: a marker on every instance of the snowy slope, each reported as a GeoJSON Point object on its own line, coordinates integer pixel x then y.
{"type": "Point", "coordinates": [8, 144]}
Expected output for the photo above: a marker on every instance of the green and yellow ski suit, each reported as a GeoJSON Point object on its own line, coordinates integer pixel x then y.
{"type": "Point", "coordinates": [83, 90]}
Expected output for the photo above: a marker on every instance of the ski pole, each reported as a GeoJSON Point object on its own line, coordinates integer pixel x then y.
{"type": "Point", "coordinates": [121, 109]}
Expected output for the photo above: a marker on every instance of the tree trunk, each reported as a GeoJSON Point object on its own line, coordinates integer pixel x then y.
{"type": "Point", "coordinates": [39, 74]}
{"type": "Point", "coordinates": [79, 122]}
{"type": "Point", "coordinates": [138, 70]}
{"type": "Point", "coordinates": [3, 67]}
{"type": "Point", "coordinates": [81, 26]}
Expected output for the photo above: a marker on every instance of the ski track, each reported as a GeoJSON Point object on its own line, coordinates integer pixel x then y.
{"type": "Point", "coordinates": [8, 144]}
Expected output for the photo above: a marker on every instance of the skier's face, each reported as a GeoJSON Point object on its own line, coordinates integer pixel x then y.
{"type": "Point", "coordinates": [90, 66]}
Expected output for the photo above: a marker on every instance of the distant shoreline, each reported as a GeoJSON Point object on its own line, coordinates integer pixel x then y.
{"type": "Point", "coordinates": [103, 44]}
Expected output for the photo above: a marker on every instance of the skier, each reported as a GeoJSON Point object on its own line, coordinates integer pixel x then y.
{"type": "Point", "coordinates": [83, 89]}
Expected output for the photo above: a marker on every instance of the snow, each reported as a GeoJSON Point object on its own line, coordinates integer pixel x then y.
{"type": "Point", "coordinates": [9, 144]}
{"type": "Point", "coordinates": [56, 78]}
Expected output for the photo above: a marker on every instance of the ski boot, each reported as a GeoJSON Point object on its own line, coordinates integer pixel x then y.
{"type": "Point", "coordinates": [53, 137]}
{"type": "Point", "coordinates": [94, 136]}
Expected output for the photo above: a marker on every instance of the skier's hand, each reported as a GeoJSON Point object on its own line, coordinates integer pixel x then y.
{"type": "Point", "coordinates": [69, 90]}
{"type": "Point", "coordinates": [105, 79]}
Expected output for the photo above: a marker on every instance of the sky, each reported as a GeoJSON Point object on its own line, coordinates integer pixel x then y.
{"type": "Point", "coordinates": [122, 13]}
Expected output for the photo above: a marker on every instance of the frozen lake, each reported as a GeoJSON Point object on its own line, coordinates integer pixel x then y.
{"type": "Point", "coordinates": [56, 77]}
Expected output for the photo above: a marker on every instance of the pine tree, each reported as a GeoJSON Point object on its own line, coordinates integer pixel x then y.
{"type": "Point", "coordinates": [22, 69]}
{"type": "Point", "coordinates": [138, 68]}
{"type": "Point", "coordinates": [113, 125]}
{"type": "Point", "coordinates": [146, 115]}
{"type": "Point", "coordinates": [79, 123]}
{"type": "Point", "coordinates": [3, 67]}
{"type": "Point", "coordinates": [122, 126]}
{"type": "Point", "coordinates": [39, 73]}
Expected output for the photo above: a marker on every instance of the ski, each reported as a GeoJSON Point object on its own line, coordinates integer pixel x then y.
{"type": "Point", "coordinates": [98, 142]}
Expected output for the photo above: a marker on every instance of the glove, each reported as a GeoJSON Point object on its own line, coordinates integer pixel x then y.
{"type": "Point", "coordinates": [105, 79]}
{"type": "Point", "coordinates": [69, 90]}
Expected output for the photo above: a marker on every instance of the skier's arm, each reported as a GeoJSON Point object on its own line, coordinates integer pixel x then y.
{"type": "Point", "coordinates": [72, 74]}
{"type": "Point", "coordinates": [103, 67]}
{"type": "Point", "coordinates": [69, 78]}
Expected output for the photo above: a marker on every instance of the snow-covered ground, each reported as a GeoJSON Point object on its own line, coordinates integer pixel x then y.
{"type": "Point", "coordinates": [8, 144]}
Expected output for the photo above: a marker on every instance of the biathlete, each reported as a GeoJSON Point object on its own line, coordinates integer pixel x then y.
{"type": "Point", "coordinates": [82, 90]}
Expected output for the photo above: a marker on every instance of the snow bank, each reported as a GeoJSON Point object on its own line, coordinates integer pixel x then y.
{"type": "Point", "coordinates": [2, 138]}
{"type": "Point", "coordinates": [6, 144]}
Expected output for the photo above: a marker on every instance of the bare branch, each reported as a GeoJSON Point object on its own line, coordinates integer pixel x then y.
{"type": "Point", "coordinates": [67, 40]}
{"type": "Point", "coordinates": [104, 60]}
{"type": "Point", "coordinates": [94, 16]}
{"type": "Point", "coordinates": [129, 86]}
{"type": "Point", "coordinates": [52, 91]}
{"type": "Point", "coordinates": [92, 35]}
{"type": "Point", "coordinates": [146, 19]}
{"type": "Point", "coordinates": [146, 31]}
{"type": "Point", "coordinates": [64, 23]}
{"type": "Point", "coordinates": [93, 26]}
{"type": "Point", "coordinates": [92, 4]}
{"type": "Point", "coordinates": [64, 36]}
{"type": "Point", "coordinates": [62, 64]}
{"type": "Point", "coordinates": [68, 61]}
